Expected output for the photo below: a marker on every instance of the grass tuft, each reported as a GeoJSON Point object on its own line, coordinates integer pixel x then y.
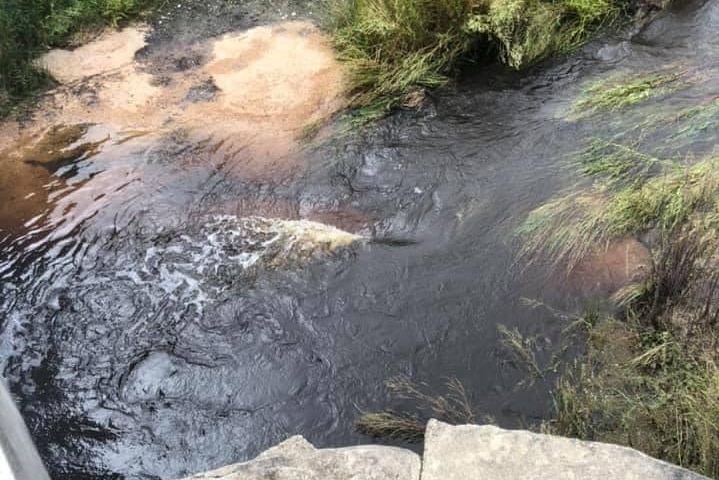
{"type": "Point", "coordinates": [621, 91]}
{"type": "Point", "coordinates": [648, 378]}
{"type": "Point", "coordinates": [655, 390]}
{"type": "Point", "coordinates": [393, 47]}
{"type": "Point", "coordinates": [391, 425]}
{"type": "Point", "coordinates": [453, 407]}
{"type": "Point", "coordinates": [631, 194]}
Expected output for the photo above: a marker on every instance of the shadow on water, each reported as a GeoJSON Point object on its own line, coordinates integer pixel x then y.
{"type": "Point", "coordinates": [147, 333]}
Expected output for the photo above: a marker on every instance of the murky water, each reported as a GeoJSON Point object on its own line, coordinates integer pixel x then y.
{"type": "Point", "coordinates": [150, 329]}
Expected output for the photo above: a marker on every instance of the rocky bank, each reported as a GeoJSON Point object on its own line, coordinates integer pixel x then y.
{"type": "Point", "coordinates": [462, 452]}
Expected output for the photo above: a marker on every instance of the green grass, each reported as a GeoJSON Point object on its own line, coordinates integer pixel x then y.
{"type": "Point", "coordinates": [621, 91]}
{"type": "Point", "coordinates": [28, 27]}
{"type": "Point", "coordinates": [631, 193]}
{"type": "Point", "coordinates": [649, 376]}
{"type": "Point", "coordinates": [697, 120]}
{"type": "Point", "coordinates": [653, 389]}
{"type": "Point", "coordinates": [393, 47]}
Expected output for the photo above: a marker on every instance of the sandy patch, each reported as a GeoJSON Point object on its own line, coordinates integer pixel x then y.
{"type": "Point", "coordinates": [241, 111]}
{"type": "Point", "coordinates": [245, 106]}
{"type": "Point", "coordinates": [111, 51]}
{"type": "Point", "coordinates": [284, 74]}
{"type": "Point", "coordinates": [261, 88]}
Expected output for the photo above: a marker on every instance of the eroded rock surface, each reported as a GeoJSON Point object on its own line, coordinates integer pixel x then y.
{"type": "Point", "coordinates": [297, 459]}
{"type": "Point", "coordinates": [474, 452]}
{"type": "Point", "coordinates": [456, 452]}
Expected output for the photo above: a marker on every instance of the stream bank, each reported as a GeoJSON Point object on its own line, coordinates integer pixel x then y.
{"type": "Point", "coordinates": [461, 452]}
{"type": "Point", "coordinates": [136, 345]}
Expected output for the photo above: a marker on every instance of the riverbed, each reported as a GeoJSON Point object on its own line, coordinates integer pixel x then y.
{"type": "Point", "coordinates": [160, 313]}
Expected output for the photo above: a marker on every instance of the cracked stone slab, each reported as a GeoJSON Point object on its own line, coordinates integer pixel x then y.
{"type": "Point", "coordinates": [473, 452]}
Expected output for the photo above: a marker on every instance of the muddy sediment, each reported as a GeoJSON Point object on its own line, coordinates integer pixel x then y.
{"type": "Point", "coordinates": [244, 106]}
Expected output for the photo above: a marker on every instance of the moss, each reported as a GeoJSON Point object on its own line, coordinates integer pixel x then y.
{"type": "Point", "coordinates": [391, 47]}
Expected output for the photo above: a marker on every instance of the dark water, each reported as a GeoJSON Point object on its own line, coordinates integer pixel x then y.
{"type": "Point", "coordinates": [139, 346]}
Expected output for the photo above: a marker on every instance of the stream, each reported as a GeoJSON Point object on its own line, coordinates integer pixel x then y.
{"type": "Point", "coordinates": [153, 326]}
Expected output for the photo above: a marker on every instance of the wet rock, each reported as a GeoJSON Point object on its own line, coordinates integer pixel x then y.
{"type": "Point", "coordinates": [297, 459]}
{"type": "Point", "coordinates": [204, 91]}
{"type": "Point", "coordinates": [473, 452]}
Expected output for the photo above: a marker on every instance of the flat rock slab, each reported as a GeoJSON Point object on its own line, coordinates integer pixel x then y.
{"type": "Point", "coordinates": [472, 452]}
{"type": "Point", "coordinates": [297, 459]}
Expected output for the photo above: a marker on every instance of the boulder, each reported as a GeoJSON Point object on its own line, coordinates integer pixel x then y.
{"type": "Point", "coordinates": [473, 452]}
{"type": "Point", "coordinates": [609, 269]}
{"type": "Point", "coordinates": [297, 459]}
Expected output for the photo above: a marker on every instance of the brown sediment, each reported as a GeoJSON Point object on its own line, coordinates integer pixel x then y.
{"type": "Point", "coordinates": [32, 172]}
{"type": "Point", "coordinates": [271, 82]}
{"type": "Point", "coordinates": [26, 173]}
{"type": "Point", "coordinates": [610, 269]}
{"type": "Point", "coordinates": [347, 219]}
{"type": "Point", "coordinates": [111, 51]}
{"type": "Point", "coordinates": [257, 91]}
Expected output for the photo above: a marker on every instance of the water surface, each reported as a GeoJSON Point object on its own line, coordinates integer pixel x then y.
{"type": "Point", "coordinates": [141, 344]}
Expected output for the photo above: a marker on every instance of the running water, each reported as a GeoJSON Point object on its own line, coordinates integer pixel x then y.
{"type": "Point", "coordinates": [154, 326]}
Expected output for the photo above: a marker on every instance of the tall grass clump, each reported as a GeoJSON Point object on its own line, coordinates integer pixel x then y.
{"type": "Point", "coordinates": [648, 378]}
{"type": "Point", "coordinates": [393, 47]}
{"type": "Point", "coordinates": [27, 27]}
{"type": "Point", "coordinates": [651, 381]}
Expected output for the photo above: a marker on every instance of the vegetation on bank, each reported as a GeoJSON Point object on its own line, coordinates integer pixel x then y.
{"type": "Point", "coordinates": [649, 377]}
{"type": "Point", "coordinates": [29, 27]}
{"type": "Point", "coordinates": [393, 47]}
{"type": "Point", "coordinates": [632, 193]}
{"type": "Point", "coordinates": [650, 387]}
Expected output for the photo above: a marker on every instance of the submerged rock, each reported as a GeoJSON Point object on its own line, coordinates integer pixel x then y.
{"type": "Point", "coordinates": [276, 242]}
{"type": "Point", "coordinates": [610, 269]}
{"type": "Point", "coordinates": [297, 459]}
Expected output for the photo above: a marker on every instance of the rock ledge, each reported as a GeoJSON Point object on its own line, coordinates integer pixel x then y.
{"type": "Point", "coordinates": [462, 452]}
